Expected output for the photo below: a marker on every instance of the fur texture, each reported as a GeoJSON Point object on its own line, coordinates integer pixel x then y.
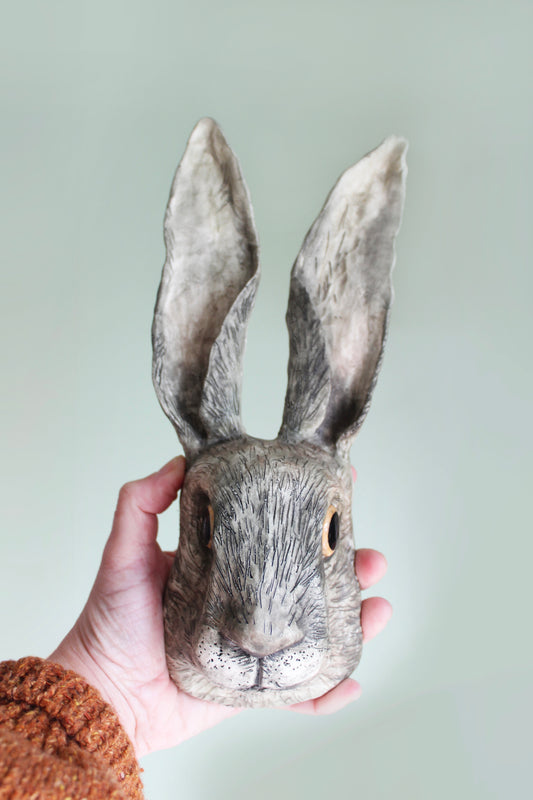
{"type": "Point", "coordinates": [261, 617]}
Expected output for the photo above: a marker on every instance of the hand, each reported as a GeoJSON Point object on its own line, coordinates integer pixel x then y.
{"type": "Point", "coordinates": [117, 644]}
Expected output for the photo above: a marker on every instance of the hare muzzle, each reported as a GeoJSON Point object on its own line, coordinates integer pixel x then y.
{"type": "Point", "coordinates": [229, 665]}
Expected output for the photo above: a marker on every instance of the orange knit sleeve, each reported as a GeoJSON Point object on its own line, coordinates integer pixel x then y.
{"type": "Point", "coordinates": [59, 739]}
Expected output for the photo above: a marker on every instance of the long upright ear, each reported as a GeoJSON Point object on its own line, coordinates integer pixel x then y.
{"type": "Point", "coordinates": [206, 294]}
{"type": "Point", "coordinates": [339, 300]}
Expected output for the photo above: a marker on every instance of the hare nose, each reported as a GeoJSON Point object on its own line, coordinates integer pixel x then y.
{"type": "Point", "coordinates": [260, 644]}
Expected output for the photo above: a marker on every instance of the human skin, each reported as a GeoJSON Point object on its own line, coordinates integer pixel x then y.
{"type": "Point", "coordinates": [117, 643]}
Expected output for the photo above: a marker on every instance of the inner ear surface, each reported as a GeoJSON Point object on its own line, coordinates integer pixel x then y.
{"type": "Point", "coordinates": [211, 257]}
{"type": "Point", "coordinates": [340, 295]}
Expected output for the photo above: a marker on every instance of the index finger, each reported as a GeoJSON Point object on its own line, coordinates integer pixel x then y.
{"type": "Point", "coordinates": [135, 523]}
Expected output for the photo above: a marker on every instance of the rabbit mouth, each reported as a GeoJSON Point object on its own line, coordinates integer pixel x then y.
{"type": "Point", "coordinates": [226, 665]}
{"type": "Point", "coordinates": [271, 681]}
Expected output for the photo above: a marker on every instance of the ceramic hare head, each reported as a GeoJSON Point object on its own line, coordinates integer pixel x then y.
{"type": "Point", "coordinates": [262, 606]}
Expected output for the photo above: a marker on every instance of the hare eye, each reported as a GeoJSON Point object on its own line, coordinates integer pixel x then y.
{"type": "Point", "coordinates": [206, 526]}
{"type": "Point", "coordinates": [330, 532]}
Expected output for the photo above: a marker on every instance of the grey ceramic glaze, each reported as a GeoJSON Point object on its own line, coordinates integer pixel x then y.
{"type": "Point", "coordinates": [262, 606]}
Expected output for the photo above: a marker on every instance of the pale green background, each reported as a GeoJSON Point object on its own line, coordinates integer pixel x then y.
{"type": "Point", "coordinates": [97, 100]}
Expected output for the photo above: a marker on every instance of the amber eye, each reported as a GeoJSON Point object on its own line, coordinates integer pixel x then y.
{"type": "Point", "coordinates": [330, 532]}
{"type": "Point", "coordinates": [207, 521]}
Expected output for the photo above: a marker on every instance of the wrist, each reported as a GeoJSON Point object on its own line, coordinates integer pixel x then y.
{"type": "Point", "coordinates": [72, 654]}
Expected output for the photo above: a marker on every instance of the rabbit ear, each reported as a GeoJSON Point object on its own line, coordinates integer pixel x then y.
{"type": "Point", "coordinates": [339, 300]}
{"type": "Point", "coordinates": [206, 293]}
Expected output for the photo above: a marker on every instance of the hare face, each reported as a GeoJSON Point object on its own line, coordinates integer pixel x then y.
{"type": "Point", "coordinates": [261, 609]}
{"type": "Point", "coordinates": [262, 606]}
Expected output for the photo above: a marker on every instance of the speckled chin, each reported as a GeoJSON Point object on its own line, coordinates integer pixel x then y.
{"type": "Point", "coordinates": [195, 683]}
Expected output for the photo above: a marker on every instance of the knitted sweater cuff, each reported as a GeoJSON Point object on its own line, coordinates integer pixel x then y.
{"type": "Point", "coordinates": [33, 685]}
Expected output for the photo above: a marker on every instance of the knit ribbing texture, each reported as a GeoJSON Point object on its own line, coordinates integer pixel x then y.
{"type": "Point", "coordinates": [59, 739]}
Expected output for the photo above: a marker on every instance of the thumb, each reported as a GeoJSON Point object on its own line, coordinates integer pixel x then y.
{"type": "Point", "coordinates": [135, 522]}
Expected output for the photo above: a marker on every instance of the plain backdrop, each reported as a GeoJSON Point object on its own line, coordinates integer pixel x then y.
{"type": "Point", "coordinates": [97, 100]}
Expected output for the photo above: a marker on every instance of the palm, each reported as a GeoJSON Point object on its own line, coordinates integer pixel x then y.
{"type": "Point", "coordinates": [164, 715]}
{"type": "Point", "coordinates": [118, 643]}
